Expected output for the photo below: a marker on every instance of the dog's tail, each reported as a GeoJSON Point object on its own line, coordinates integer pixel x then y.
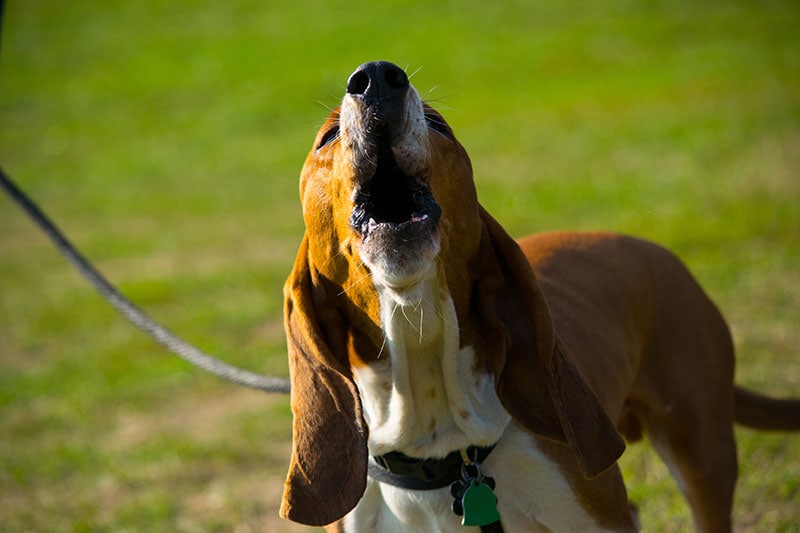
{"type": "Point", "coordinates": [761, 412]}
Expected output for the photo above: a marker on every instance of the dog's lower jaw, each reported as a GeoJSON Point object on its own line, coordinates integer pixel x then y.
{"type": "Point", "coordinates": [402, 274]}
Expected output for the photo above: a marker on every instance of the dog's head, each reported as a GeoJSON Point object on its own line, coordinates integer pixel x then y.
{"type": "Point", "coordinates": [388, 186]}
{"type": "Point", "coordinates": [388, 199]}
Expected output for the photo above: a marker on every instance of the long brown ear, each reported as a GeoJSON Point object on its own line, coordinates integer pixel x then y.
{"type": "Point", "coordinates": [328, 471]}
{"type": "Point", "coordinates": [538, 383]}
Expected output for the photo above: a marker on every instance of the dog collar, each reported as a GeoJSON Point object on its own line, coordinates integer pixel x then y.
{"type": "Point", "coordinates": [412, 473]}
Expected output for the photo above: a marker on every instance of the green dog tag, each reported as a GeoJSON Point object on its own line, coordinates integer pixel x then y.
{"type": "Point", "coordinates": [480, 505]}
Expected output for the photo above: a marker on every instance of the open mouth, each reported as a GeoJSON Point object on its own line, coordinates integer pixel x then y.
{"type": "Point", "coordinates": [394, 204]}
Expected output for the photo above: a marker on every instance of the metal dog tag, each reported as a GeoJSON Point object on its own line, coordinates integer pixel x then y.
{"type": "Point", "coordinates": [479, 504]}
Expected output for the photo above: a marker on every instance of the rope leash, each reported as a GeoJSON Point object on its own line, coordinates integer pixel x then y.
{"type": "Point", "coordinates": [131, 312]}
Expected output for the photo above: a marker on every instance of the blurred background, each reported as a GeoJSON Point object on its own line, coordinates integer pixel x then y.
{"type": "Point", "coordinates": [166, 139]}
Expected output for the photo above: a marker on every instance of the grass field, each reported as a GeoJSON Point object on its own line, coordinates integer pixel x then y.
{"type": "Point", "coordinates": [166, 138]}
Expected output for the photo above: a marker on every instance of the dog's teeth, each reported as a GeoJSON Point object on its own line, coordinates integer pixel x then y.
{"type": "Point", "coordinates": [371, 224]}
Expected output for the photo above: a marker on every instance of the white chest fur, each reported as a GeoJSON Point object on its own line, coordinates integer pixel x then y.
{"type": "Point", "coordinates": [423, 397]}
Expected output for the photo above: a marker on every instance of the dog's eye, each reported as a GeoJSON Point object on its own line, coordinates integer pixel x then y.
{"type": "Point", "coordinates": [328, 136]}
{"type": "Point", "coordinates": [438, 125]}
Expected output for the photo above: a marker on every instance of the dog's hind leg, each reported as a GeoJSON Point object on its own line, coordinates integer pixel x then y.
{"type": "Point", "coordinates": [686, 387]}
{"type": "Point", "coordinates": [703, 461]}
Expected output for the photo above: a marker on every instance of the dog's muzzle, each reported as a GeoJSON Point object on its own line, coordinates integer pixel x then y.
{"type": "Point", "coordinates": [394, 212]}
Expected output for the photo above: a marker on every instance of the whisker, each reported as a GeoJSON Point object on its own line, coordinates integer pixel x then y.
{"type": "Point", "coordinates": [434, 120]}
{"type": "Point", "coordinates": [336, 140]}
{"type": "Point", "coordinates": [441, 101]}
{"type": "Point", "coordinates": [430, 91]}
{"type": "Point", "coordinates": [333, 123]}
{"type": "Point", "coordinates": [440, 105]}
{"type": "Point", "coordinates": [440, 315]}
{"type": "Point", "coordinates": [391, 317]}
{"type": "Point", "coordinates": [403, 309]}
{"type": "Point", "coordinates": [356, 281]}
{"type": "Point", "coordinates": [434, 117]}
{"type": "Point", "coordinates": [383, 345]}
{"type": "Point", "coordinates": [421, 320]}
{"type": "Point", "coordinates": [438, 125]}
{"type": "Point", "coordinates": [325, 106]}
{"type": "Point", "coordinates": [421, 310]}
{"type": "Point", "coordinates": [385, 333]}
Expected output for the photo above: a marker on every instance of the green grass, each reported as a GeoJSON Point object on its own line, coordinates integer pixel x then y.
{"type": "Point", "coordinates": [166, 138]}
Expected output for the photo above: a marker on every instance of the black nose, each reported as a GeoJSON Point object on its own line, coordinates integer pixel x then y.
{"type": "Point", "coordinates": [378, 81]}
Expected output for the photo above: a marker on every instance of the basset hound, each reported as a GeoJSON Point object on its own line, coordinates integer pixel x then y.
{"type": "Point", "coordinates": [438, 366]}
